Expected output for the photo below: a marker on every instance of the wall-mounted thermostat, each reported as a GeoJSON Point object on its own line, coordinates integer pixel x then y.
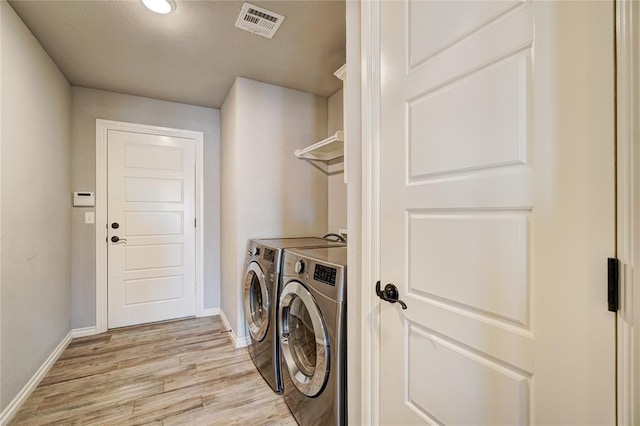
{"type": "Point", "coordinates": [84, 199]}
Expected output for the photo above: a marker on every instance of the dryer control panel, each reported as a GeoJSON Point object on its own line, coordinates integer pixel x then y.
{"type": "Point", "coordinates": [325, 274]}
{"type": "Point", "coordinates": [321, 270]}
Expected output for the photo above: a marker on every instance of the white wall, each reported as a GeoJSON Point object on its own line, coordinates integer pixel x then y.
{"type": "Point", "coordinates": [337, 188]}
{"type": "Point", "coordinates": [268, 190]}
{"type": "Point", "coordinates": [35, 204]}
{"type": "Point", "coordinates": [90, 104]}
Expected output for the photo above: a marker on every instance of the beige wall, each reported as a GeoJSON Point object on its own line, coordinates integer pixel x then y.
{"type": "Point", "coordinates": [268, 190]}
{"type": "Point", "coordinates": [229, 172]}
{"type": "Point", "coordinates": [36, 205]}
{"type": "Point", "coordinates": [335, 113]}
{"type": "Point", "coordinates": [337, 189]}
{"type": "Point", "coordinates": [90, 104]}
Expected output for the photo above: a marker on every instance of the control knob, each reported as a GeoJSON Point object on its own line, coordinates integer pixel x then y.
{"type": "Point", "coordinates": [299, 267]}
{"type": "Point", "coordinates": [254, 251]}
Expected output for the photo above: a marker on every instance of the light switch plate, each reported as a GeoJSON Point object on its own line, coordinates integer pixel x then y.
{"type": "Point", "coordinates": [89, 217]}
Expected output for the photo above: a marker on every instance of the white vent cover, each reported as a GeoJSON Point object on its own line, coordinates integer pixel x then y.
{"type": "Point", "coordinates": [258, 20]}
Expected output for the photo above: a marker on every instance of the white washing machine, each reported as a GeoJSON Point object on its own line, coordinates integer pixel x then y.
{"type": "Point", "coordinates": [312, 329]}
{"type": "Point", "coordinates": [261, 289]}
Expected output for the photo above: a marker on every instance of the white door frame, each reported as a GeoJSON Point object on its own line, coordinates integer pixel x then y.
{"type": "Point", "coordinates": [102, 127]}
{"type": "Point", "coordinates": [628, 203]}
{"type": "Point", "coordinates": [628, 53]}
{"type": "Point", "coordinates": [370, 308]}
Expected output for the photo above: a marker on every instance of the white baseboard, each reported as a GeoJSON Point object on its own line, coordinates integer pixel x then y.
{"type": "Point", "coordinates": [242, 342]}
{"type": "Point", "coordinates": [238, 342]}
{"type": "Point", "coordinates": [84, 331]}
{"type": "Point", "coordinates": [13, 407]}
{"type": "Point", "coordinates": [209, 312]}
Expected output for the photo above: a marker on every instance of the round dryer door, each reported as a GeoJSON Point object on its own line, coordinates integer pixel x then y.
{"type": "Point", "coordinates": [303, 338]}
{"type": "Point", "coordinates": [256, 302]}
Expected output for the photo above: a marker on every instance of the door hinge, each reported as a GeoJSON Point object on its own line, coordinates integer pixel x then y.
{"type": "Point", "coordinates": [194, 222]}
{"type": "Point", "coordinates": [613, 283]}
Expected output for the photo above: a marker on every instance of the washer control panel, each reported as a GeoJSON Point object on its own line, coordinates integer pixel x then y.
{"type": "Point", "coordinates": [269, 255]}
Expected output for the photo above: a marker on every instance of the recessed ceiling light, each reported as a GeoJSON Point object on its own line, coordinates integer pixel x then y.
{"type": "Point", "coordinates": [160, 6]}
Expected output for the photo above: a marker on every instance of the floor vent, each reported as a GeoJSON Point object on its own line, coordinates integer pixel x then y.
{"type": "Point", "coordinates": [258, 20]}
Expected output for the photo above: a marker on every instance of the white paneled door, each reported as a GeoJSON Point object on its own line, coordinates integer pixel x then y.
{"type": "Point", "coordinates": [151, 229]}
{"type": "Point", "coordinates": [497, 212]}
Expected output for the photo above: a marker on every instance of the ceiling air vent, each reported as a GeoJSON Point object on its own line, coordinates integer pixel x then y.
{"type": "Point", "coordinates": [258, 20]}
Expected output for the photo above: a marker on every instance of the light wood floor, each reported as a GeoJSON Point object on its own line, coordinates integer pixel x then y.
{"type": "Point", "coordinates": [180, 372]}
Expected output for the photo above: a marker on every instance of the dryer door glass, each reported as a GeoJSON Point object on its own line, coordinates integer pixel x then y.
{"type": "Point", "coordinates": [303, 338]}
{"type": "Point", "coordinates": [256, 302]}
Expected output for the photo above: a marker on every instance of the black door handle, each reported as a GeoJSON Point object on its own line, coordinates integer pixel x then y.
{"type": "Point", "coordinates": [116, 239]}
{"type": "Point", "coordinates": [390, 294]}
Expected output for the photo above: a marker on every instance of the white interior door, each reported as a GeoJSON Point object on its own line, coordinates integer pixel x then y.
{"type": "Point", "coordinates": [151, 199]}
{"type": "Point", "coordinates": [497, 212]}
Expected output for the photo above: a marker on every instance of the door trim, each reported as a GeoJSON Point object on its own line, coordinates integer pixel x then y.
{"type": "Point", "coordinates": [102, 127]}
{"type": "Point", "coordinates": [370, 318]}
{"type": "Point", "coordinates": [628, 197]}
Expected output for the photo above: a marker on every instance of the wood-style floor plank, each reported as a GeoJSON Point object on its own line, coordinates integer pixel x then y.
{"type": "Point", "coordinates": [171, 373]}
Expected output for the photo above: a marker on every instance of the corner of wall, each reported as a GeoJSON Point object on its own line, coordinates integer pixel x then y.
{"type": "Point", "coordinates": [267, 191]}
{"type": "Point", "coordinates": [229, 209]}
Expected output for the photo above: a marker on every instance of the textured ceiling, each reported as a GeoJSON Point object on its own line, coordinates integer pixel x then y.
{"type": "Point", "coordinates": [193, 54]}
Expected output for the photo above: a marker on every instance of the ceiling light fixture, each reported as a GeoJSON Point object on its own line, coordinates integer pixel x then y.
{"type": "Point", "coordinates": [160, 6]}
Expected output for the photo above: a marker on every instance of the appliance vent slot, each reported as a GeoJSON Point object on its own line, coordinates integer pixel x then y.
{"type": "Point", "coordinates": [258, 20]}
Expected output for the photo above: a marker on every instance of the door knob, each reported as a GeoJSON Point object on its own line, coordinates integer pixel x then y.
{"type": "Point", "coordinates": [116, 239]}
{"type": "Point", "coordinates": [390, 294]}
